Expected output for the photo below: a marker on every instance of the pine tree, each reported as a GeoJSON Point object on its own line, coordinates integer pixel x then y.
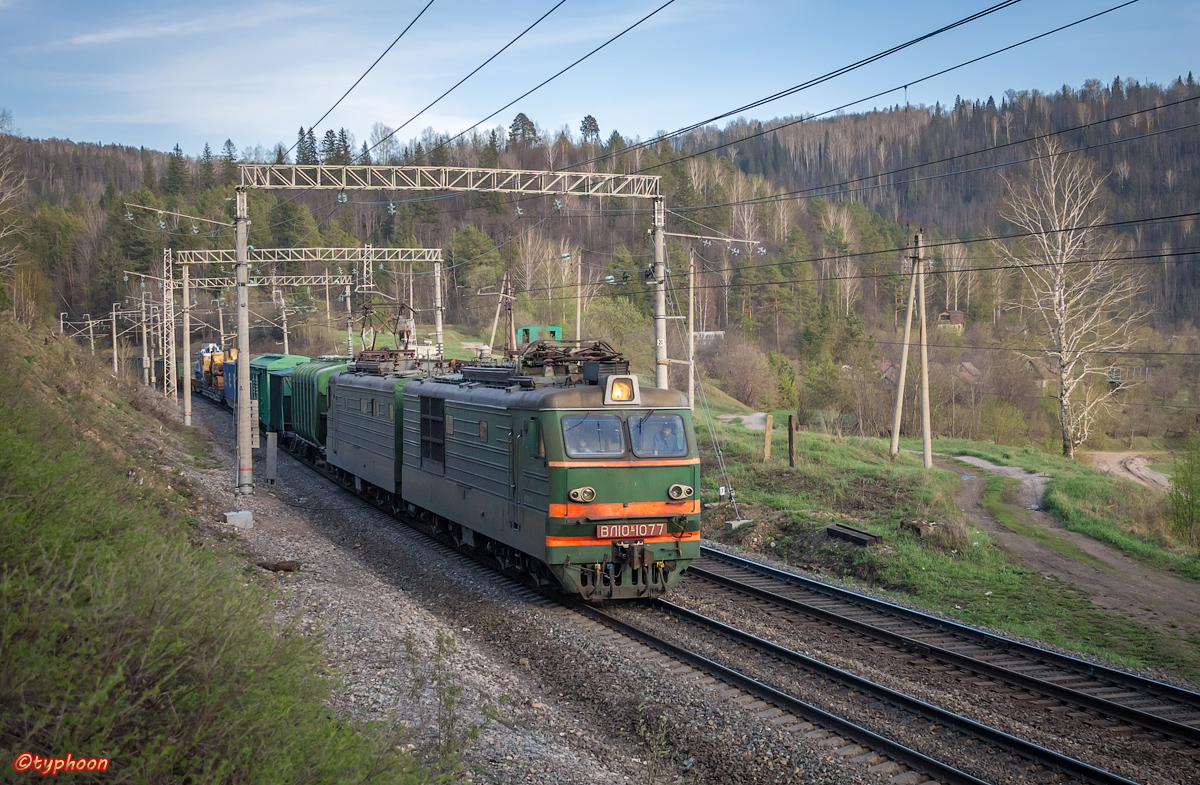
{"type": "Point", "coordinates": [229, 171]}
{"type": "Point", "coordinates": [343, 148]}
{"type": "Point", "coordinates": [176, 175]}
{"type": "Point", "coordinates": [364, 156]}
{"type": "Point", "coordinates": [329, 148]}
{"type": "Point", "coordinates": [310, 146]}
{"type": "Point", "coordinates": [208, 170]}
{"type": "Point", "coordinates": [149, 178]}
{"type": "Point", "coordinates": [302, 148]}
{"type": "Point", "coordinates": [590, 130]}
{"type": "Point", "coordinates": [522, 132]}
{"type": "Point", "coordinates": [489, 158]}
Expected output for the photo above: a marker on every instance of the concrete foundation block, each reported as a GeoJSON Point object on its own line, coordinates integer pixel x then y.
{"type": "Point", "coordinates": [243, 519]}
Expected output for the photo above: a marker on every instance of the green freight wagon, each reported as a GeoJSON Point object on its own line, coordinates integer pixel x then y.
{"type": "Point", "coordinates": [280, 385]}
{"type": "Point", "coordinates": [260, 380]}
{"type": "Point", "coordinates": [310, 398]}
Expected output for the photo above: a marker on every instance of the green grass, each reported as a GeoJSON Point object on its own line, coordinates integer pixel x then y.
{"type": "Point", "coordinates": [1110, 509]}
{"type": "Point", "coordinates": [125, 636]}
{"type": "Point", "coordinates": [998, 500]}
{"type": "Point", "coordinates": [959, 571]}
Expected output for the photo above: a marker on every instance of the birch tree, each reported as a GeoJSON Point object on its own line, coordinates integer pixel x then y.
{"type": "Point", "coordinates": [12, 196]}
{"type": "Point", "coordinates": [1085, 301]}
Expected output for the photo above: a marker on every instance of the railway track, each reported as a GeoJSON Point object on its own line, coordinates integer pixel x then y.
{"type": "Point", "coordinates": [907, 739]}
{"type": "Point", "coordinates": [1162, 709]}
{"type": "Point", "coordinates": [764, 683]}
{"type": "Point", "coordinates": [772, 682]}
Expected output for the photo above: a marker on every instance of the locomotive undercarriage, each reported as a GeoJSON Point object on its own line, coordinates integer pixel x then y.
{"type": "Point", "coordinates": [629, 571]}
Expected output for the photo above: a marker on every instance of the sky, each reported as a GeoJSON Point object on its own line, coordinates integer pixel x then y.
{"type": "Point", "coordinates": [157, 74]}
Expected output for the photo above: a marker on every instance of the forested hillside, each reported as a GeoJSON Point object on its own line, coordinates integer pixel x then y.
{"type": "Point", "coordinates": [813, 298]}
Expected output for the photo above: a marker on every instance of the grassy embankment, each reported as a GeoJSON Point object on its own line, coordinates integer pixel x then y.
{"type": "Point", "coordinates": [1110, 509]}
{"type": "Point", "coordinates": [124, 634]}
{"type": "Point", "coordinates": [959, 571]}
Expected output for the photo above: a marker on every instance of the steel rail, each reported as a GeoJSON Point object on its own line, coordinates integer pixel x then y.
{"type": "Point", "coordinates": [1133, 716]}
{"type": "Point", "coordinates": [1017, 746]}
{"type": "Point", "coordinates": [1149, 686]}
{"type": "Point", "coordinates": [893, 749]}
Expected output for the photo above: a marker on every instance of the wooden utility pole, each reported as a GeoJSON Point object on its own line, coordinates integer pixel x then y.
{"type": "Point", "coordinates": [901, 375]}
{"type": "Point", "coordinates": [916, 290]}
{"type": "Point", "coordinates": [925, 439]}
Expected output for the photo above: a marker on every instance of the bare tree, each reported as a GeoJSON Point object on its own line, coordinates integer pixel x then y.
{"type": "Point", "coordinates": [1084, 298]}
{"type": "Point", "coordinates": [12, 195]}
{"type": "Point", "coordinates": [958, 275]}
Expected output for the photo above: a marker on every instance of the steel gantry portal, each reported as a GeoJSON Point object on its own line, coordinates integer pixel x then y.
{"type": "Point", "coordinates": [414, 178]}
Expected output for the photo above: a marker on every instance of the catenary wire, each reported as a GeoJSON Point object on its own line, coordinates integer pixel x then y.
{"type": "Point", "coordinates": [468, 76]}
{"type": "Point", "coordinates": [364, 76]}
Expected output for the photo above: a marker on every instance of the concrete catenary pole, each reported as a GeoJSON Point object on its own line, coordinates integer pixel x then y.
{"type": "Point", "coordinates": [691, 328]}
{"type": "Point", "coordinates": [91, 332]}
{"type": "Point", "coordinates": [578, 295]}
{"type": "Point", "coordinates": [245, 453]}
{"type": "Point", "coordinates": [496, 319]}
{"type": "Point", "coordinates": [283, 317]}
{"type": "Point", "coordinates": [437, 307]}
{"type": "Point", "coordinates": [116, 370]}
{"type": "Point", "coordinates": [187, 349]}
{"type": "Point", "coordinates": [925, 425]}
{"type": "Point", "coordinates": [349, 325]}
{"type": "Point", "coordinates": [900, 376]}
{"type": "Point", "coordinates": [145, 345]}
{"type": "Point", "coordinates": [661, 363]}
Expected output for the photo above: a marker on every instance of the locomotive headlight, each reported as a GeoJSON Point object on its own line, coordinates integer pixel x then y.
{"type": "Point", "coordinates": [622, 389]}
{"type": "Point", "coordinates": [678, 491]}
{"type": "Point", "coordinates": [585, 494]}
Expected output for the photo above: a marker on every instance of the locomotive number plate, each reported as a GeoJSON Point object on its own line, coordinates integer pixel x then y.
{"type": "Point", "coordinates": [622, 530]}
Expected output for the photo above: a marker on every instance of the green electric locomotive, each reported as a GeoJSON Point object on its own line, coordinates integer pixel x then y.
{"type": "Point", "coordinates": [558, 466]}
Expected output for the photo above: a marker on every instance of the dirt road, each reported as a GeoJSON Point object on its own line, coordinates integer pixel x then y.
{"type": "Point", "coordinates": [1116, 583]}
{"type": "Point", "coordinates": [1131, 466]}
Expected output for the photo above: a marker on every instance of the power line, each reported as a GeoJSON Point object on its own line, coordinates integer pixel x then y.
{"type": "Point", "coordinates": [468, 76]}
{"type": "Point", "coordinates": [905, 87]}
{"type": "Point", "coordinates": [815, 80]}
{"type": "Point", "coordinates": [552, 78]}
{"type": "Point", "coordinates": [869, 276]}
{"type": "Point", "coordinates": [364, 76]}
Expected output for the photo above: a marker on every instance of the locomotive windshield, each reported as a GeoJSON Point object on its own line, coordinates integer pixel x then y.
{"type": "Point", "coordinates": [593, 434]}
{"type": "Point", "coordinates": [658, 435]}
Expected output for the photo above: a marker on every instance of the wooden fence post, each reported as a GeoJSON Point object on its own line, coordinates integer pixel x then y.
{"type": "Point", "coordinates": [792, 434]}
{"type": "Point", "coordinates": [767, 444]}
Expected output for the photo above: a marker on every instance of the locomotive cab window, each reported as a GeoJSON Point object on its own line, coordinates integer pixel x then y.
{"type": "Point", "coordinates": [658, 435]}
{"type": "Point", "coordinates": [588, 435]}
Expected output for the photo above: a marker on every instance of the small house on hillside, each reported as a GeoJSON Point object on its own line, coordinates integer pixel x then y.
{"type": "Point", "coordinates": [952, 320]}
{"type": "Point", "coordinates": [967, 371]}
{"type": "Point", "coordinates": [887, 369]}
{"type": "Point", "coordinates": [1043, 372]}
